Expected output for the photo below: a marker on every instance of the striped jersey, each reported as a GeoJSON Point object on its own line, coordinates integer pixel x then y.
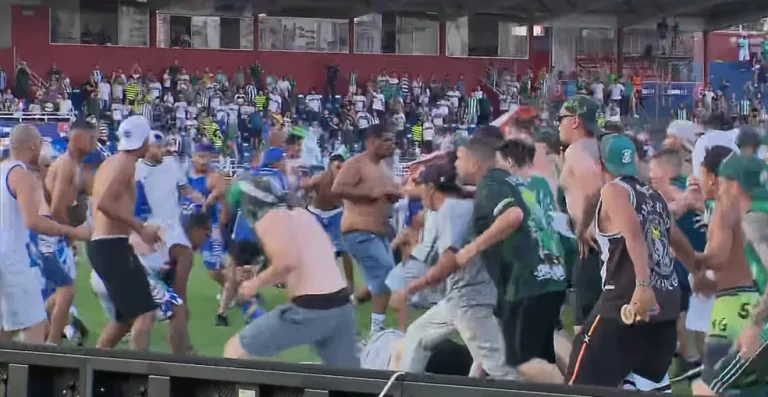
{"type": "Point", "coordinates": [473, 105]}
{"type": "Point", "coordinates": [132, 92]}
{"type": "Point", "coordinates": [260, 101]}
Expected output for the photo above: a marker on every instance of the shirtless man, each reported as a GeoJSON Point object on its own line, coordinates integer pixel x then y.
{"type": "Point", "coordinates": [62, 184]}
{"type": "Point", "coordinates": [328, 210]}
{"type": "Point", "coordinates": [737, 295]}
{"type": "Point", "coordinates": [20, 197]}
{"type": "Point", "coordinates": [369, 190]}
{"type": "Point", "coordinates": [581, 181]}
{"type": "Point", "coordinates": [319, 312]}
{"type": "Point", "coordinates": [110, 253]}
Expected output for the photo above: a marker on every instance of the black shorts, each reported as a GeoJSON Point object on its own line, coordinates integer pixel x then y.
{"type": "Point", "coordinates": [685, 300]}
{"type": "Point", "coordinates": [606, 350]}
{"type": "Point", "coordinates": [124, 277]}
{"type": "Point", "coordinates": [587, 286]}
{"type": "Point", "coordinates": [528, 326]}
{"type": "Point", "coordinates": [244, 252]}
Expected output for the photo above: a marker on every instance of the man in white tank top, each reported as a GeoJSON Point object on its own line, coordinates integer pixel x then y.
{"type": "Point", "coordinates": [21, 304]}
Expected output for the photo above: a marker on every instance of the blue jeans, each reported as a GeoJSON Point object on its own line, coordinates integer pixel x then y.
{"type": "Point", "coordinates": [372, 253]}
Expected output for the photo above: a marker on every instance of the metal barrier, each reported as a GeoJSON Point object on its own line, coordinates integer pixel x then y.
{"type": "Point", "coordinates": [54, 371]}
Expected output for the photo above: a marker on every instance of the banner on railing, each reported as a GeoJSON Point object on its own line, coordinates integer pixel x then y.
{"type": "Point", "coordinates": [50, 128]}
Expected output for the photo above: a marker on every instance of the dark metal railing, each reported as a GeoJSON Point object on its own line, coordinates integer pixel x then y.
{"type": "Point", "coordinates": [69, 372]}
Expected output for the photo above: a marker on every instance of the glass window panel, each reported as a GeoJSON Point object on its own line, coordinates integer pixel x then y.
{"type": "Point", "coordinates": [133, 26]}
{"type": "Point", "coordinates": [426, 37]}
{"type": "Point", "coordinates": [303, 34]}
{"type": "Point", "coordinates": [246, 33]}
{"type": "Point", "coordinates": [513, 40]}
{"type": "Point", "coordinates": [457, 37]}
{"type": "Point", "coordinates": [5, 26]}
{"type": "Point", "coordinates": [98, 22]}
{"type": "Point", "coordinates": [65, 24]}
{"type": "Point", "coordinates": [368, 34]}
{"type": "Point", "coordinates": [163, 32]}
{"type": "Point", "coordinates": [404, 35]}
{"type": "Point", "coordinates": [484, 36]}
{"type": "Point", "coordinates": [230, 33]}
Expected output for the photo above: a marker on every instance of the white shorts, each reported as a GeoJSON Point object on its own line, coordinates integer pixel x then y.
{"type": "Point", "coordinates": [21, 303]}
{"type": "Point", "coordinates": [699, 312]}
{"type": "Point", "coordinates": [101, 293]}
{"type": "Point", "coordinates": [174, 234]}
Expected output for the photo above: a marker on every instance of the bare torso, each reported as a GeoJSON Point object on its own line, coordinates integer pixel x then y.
{"type": "Point", "coordinates": [316, 271]}
{"type": "Point", "coordinates": [371, 216]}
{"type": "Point", "coordinates": [103, 226]}
{"type": "Point", "coordinates": [63, 164]}
{"type": "Point", "coordinates": [571, 181]}
{"type": "Point", "coordinates": [324, 199]}
{"type": "Point", "coordinates": [736, 273]}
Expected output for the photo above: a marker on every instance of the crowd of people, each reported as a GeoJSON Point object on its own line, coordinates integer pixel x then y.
{"type": "Point", "coordinates": [658, 252]}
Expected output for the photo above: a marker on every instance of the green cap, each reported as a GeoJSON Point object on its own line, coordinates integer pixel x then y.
{"type": "Point", "coordinates": [587, 109]}
{"type": "Point", "coordinates": [618, 155]}
{"type": "Point", "coordinates": [749, 172]}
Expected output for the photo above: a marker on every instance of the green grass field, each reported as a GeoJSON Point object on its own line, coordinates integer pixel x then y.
{"type": "Point", "coordinates": [208, 339]}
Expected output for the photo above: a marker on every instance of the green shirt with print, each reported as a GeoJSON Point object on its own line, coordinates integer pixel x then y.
{"type": "Point", "coordinates": [511, 263]}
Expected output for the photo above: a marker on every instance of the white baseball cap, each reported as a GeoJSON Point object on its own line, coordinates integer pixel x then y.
{"type": "Point", "coordinates": [133, 131]}
{"type": "Point", "coordinates": [686, 131]}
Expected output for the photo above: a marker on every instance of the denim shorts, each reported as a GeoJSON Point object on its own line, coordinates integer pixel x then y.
{"type": "Point", "coordinates": [372, 253]}
{"type": "Point", "coordinates": [331, 222]}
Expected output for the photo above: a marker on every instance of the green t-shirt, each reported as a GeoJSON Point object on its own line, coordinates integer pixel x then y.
{"type": "Point", "coordinates": [511, 263]}
{"type": "Point", "coordinates": [755, 263]}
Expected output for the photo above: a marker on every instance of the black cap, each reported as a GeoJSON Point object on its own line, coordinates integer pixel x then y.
{"type": "Point", "coordinates": [336, 157]}
{"type": "Point", "coordinates": [442, 175]}
{"type": "Point", "coordinates": [748, 137]}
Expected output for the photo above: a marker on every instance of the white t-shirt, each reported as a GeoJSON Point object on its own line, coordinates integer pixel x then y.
{"type": "Point", "coordinates": [359, 101]}
{"type": "Point", "coordinates": [181, 110]}
{"type": "Point", "coordinates": [161, 184]}
{"type": "Point", "coordinates": [597, 91]}
{"type": "Point", "coordinates": [155, 89]}
{"type": "Point", "coordinates": [706, 141]}
{"type": "Point", "coordinates": [283, 86]}
{"type": "Point", "coordinates": [314, 102]}
{"type": "Point", "coordinates": [617, 90]}
{"type": "Point", "coordinates": [105, 91]}
{"type": "Point", "coordinates": [275, 102]}
{"type": "Point", "coordinates": [378, 102]}
{"type": "Point", "coordinates": [453, 98]}
{"type": "Point", "coordinates": [117, 112]}
{"type": "Point", "coordinates": [428, 133]}
{"type": "Point", "coordinates": [65, 106]}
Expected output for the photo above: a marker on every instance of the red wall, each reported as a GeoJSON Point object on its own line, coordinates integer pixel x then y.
{"type": "Point", "coordinates": [6, 61]}
{"type": "Point", "coordinates": [307, 68]}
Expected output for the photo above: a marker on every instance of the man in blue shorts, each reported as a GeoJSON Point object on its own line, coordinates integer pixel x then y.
{"type": "Point", "coordinates": [327, 208]}
{"type": "Point", "coordinates": [368, 191]}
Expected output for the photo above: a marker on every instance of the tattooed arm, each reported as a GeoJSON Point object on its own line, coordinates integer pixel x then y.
{"type": "Point", "coordinates": [755, 228]}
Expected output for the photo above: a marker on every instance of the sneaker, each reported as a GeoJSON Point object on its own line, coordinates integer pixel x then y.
{"type": "Point", "coordinates": [80, 328]}
{"type": "Point", "coordinates": [222, 320]}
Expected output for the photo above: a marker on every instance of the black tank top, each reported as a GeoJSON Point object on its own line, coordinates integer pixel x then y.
{"type": "Point", "coordinates": [617, 270]}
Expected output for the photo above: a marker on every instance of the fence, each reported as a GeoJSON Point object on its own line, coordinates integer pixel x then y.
{"type": "Point", "coordinates": [53, 371]}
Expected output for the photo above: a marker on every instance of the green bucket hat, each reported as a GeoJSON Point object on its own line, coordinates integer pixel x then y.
{"type": "Point", "coordinates": [619, 155]}
{"type": "Point", "coordinates": [749, 172]}
{"type": "Point", "coordinates": [587, 110]}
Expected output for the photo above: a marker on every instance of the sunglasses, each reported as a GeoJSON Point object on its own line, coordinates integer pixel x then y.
{"type": "Point", "coordinates": [561, 117]}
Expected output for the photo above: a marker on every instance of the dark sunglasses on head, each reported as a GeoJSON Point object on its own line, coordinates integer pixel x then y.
{"type": "Point", "coordinates": [561, 117]}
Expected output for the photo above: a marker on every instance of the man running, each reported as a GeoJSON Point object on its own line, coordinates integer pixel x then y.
{"type": "Point", "coordinates": [319, 312]}
{"type": "Point", "coordinates": [581, 182]}
{"type": "Point", "coordinates": [368, 191]}
{"type": "Point", "coordinates": [633, 326]}
{"type": "Point", "coordinates": [470, 292]}
{"type": "Point", "coordinates": [528, 273]}
{"type": "Point", "coordinates": [110, 253]}
{"type": "Point", "coordinates": [328, 210]}
{"type": "Point", "coordinates": [739, 314]}
{"type": "Point", "coordinates": [159, 180]}
{"type": "Point", "coordinates": [61, 186]}
{"type": "Point", "coordinates": [212, 187]}
{"type": "Point", "coordinates": [23, 309]}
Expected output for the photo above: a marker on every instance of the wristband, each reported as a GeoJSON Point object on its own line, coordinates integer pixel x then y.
{"type": "Point", "coordinates": [642, 283]}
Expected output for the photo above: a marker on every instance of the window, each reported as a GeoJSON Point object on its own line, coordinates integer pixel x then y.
{"type": "Point", "coordinates": [99, 22]}
{"type": "Point", "coordinates": [418, 36]}
{"type": "Point", "coordinates": [204, 32]}
{"type": "Point", "coordinates": [303, 34]}
{"type": "Point", "coordinates": [596, 41]}
{"type": "Point", "coordinates": [486, 36]}
{"type": "Point", "coordinates": [390, 33]}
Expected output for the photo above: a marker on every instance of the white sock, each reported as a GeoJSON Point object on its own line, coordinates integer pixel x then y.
{"type": "Point", "coordinates": [69, 332]}
{"type": "Point", "coordinates": [378, 321]}
{"type": "Point", "coordinates": [73, 311]}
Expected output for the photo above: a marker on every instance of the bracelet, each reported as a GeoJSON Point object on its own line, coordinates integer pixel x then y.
{"type": "Point", "coordinates": [642, 283]}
